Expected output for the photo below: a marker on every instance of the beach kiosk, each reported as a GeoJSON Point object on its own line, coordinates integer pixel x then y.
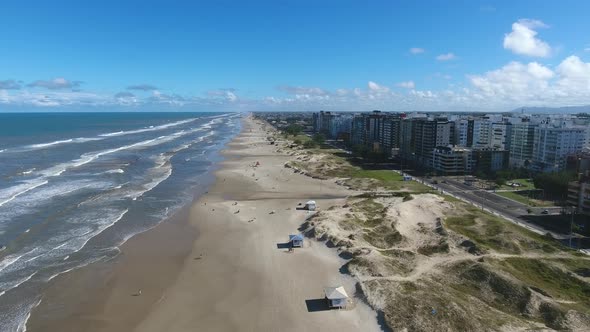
{"type": "Point", "coordinates": [310, 206]}
{"type": "Point", "coordinates": [296, 240]}
{"type": "Point", "coordinates": [336, 297]}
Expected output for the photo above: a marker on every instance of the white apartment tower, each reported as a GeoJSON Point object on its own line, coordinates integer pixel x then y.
{"type": "Point", "coordinates": [553, 144]}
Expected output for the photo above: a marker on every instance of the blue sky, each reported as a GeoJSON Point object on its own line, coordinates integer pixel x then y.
{"type": "Point", "coordinates": [293, 55]}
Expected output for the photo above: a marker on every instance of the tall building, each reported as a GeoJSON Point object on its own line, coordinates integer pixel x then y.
{"type": "Point", "coordinates": [490, 160]}
{"type": "Point", "coordinates": [340, 127]}
{"type": "Point", "coordinates": [578, 195]}
{"type": "Point", "coordinates": [448, 160]}
{"type": "Point", "coordinates": [552, 145]}
{"type": "Point", "coordinates": [357, 130]}
{"type": "Point", "coordinates": [461, 132]}
{"type": "Point", "coordinates": [522, 137]}
{"type": "Point", "coordinates": [481, 133]}
{"type": "Point", "coordinates": [322, 122]}
{"type": "Point", "coordinates": [407, 142]}
{"type": "Point", "coordinates": [373, 123]}
{"type": "Point", "coordinates": [390, 135]}
{"type": "Point", "coordinates": [500, 135]}
{"type": "Point", "coordinates": [429, 134]}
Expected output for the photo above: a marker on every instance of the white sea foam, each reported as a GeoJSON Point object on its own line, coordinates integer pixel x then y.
{"type": "Point", "coordinates": [35, 200]}
{"type": "Point", "coordinates": [39, 146]}
{"type": "Point", "coordinates": [7, 286]}
{"type": "Point", "coordinates": [12, 259]}
{"type": "Point", "coordinates": [102, 228]}
{"type": "Point", "coordinates": [115, 171]}
{"type": "Point", "coordinates": [34, 257]}
{"type": "Point", "coordinates": [9, 194]}
{"type": "Point", "coordinates": [151, 128]}
{"type": "Point", "coordinates": [22, 327]}
{"type": "Point", "coordinates": [60, 273]}
{"type": "Point", "coordinates": [44, 145]}
{"type": "Point", "coordinates": [88, 222]}
{"type": "Point", "coordinates": [27, 172]}
{"type": "Point", "coordinates": [22, 281]}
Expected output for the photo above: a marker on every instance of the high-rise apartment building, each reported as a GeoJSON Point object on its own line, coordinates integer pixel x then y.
{"type": "Point", "coordinates": [553, 144]}
{"type": "Point", "coordinates": [522, 137]}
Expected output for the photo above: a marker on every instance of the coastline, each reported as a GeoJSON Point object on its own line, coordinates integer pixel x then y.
{"type": "Point", "coordinates": [210, 267]}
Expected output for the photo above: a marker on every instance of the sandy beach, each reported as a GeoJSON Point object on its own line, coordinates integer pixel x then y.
{"type": "Point", "coordinates": [219, 265]}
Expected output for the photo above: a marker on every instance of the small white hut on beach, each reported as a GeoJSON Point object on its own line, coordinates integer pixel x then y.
{"type": "Point", "coordinates": [296, 240]}
{"type": "Point", "coordinates": [336, 297]}
{"type": "Point", "coordinates": [310, 206]}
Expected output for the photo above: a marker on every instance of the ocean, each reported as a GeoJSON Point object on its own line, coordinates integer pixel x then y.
{"type": "Point", "coordinates": [75, 186]}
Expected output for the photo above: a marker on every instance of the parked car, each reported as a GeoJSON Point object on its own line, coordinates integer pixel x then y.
{"type": "Point", "coordinates": [545, 211]}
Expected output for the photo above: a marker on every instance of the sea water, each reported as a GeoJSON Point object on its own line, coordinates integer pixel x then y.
{"type": "Point", "coordinates": [75, 186]}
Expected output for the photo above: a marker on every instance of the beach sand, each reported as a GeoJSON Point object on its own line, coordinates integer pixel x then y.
{"type": "Point", "coordinates": [225, 269]}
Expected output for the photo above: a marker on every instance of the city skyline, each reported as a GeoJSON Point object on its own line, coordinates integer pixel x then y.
{"type": "Point", "coordinates": [294, 56]}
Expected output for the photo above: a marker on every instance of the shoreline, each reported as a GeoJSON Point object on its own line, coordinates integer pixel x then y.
{"type": "Point", "coordinates": [217, 265]}
{"type": "Point", "coordinates": [60, 306]}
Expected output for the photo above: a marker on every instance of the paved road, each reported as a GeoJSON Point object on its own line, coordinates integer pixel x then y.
{"type": "Point", "coordinates": [507, 208]}
{"type": "Point", "coordinates": [504, 207]}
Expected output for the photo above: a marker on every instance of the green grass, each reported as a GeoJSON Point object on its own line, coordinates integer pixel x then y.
{"type": "Point", "coordinates": [552, 280]}
{"type": "Point", "coordinates": [301, 137]}
{"type": "Point", "coordinates": [526, 184]}
{"type": "Point", "coordinates": [505, 295]}
{"type": "Point", "coordinates": [370, 208]}
{"type": "Point", "coordinates": [515, 195]}
{"type": "Point", "coordinates": [491, 232]}
{"type": "Point", "coordinates": [450, 199]}
{"type": "Point", "coordinates": [383, 237]}
{"type": "Point", "coordinates": [579, 266]}
{"type": "Point", "coordinates": [387, 179]}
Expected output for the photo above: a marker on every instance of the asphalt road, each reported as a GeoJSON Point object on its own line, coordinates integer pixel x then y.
{"type": "Point", "coordinates": [502, 206]}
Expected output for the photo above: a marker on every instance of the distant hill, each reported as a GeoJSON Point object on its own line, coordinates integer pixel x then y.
{"type": "Point", "coordinates": [553, 110]}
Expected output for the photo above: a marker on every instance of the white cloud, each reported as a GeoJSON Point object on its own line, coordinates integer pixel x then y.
{"type": "Point", "coordinates": [56, 84]}
{"type": "Point", "coordinates": [423, 94]}
{"type": "Point", "coordinates": [126, 98]}
{"type": "Point", "coordinates": [513, 85]}
{"type": "Point", "coordinates": [9, 85]}
{"type": "Point", "coordinates": [301, 90]}
{"type": "Point", "coordinates": [534, 84]}
{"type": "Point", "coordinates": [522, 40]}
{"type": "Point", "coordinates": [228, 94]}
{"type": "Point", "coordinates": [574, 76]}
{"type": "Point", "coordinates": [416, 50]}
{"type": "Point", "coordinates": [446, 57]}
{"type": "Point", "coordinates": [142, 87]}
{"type": "Point", "coordinates": [158, 97]}
{"type": "Point", "coordinates": [514, 81]}
{"type": "Point", "coordinates": [376, 88]}
{"type": "Point", "coordinates": [407, 84]}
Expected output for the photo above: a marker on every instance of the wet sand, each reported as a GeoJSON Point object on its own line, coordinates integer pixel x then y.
{"type": "Point", "coordinates": [220, 265]}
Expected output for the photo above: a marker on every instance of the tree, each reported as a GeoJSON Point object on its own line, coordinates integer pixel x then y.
{"type": "Point", "coordinates": [500, 181]}
{"type": "Point", "coordinates": [319, 138]}
{"type": "Point", "coordinates": [309, 144]}
{"type": "Point", "coordinates": [554, 184]}
{"type": "Point", "coordinates": [360, 150]}
{"type": "Point", "coordinates": [293, 129]}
